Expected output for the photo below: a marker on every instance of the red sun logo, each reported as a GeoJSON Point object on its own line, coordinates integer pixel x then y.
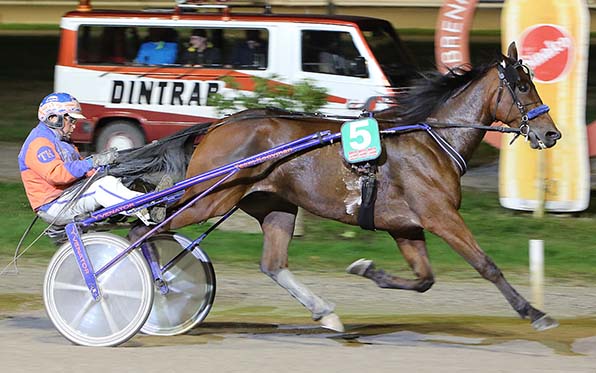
{"type": "Point", "coordinates": [548, 50]}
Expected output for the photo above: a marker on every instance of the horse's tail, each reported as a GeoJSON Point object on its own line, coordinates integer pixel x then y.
{"type": "Point", "coordinates": [169, 155]}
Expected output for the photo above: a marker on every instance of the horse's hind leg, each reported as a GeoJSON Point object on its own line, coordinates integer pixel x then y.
{"type": "Point", "coordinates": [413, 249]}
{"type": "Point", "coordinates": [453, 230]}
{"type": "Point", "coordinates": [278, 228]}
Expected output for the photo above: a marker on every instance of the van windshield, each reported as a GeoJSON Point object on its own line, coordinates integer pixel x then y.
{"type": "Point", "coordinates": [395, 60]}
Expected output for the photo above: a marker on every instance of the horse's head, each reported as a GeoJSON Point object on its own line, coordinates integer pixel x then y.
{"type": "Point", "coordinates": [518, 104]}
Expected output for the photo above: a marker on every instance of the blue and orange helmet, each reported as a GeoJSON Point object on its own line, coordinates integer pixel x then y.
{"type": "Point", "coordinates": [59, 104]}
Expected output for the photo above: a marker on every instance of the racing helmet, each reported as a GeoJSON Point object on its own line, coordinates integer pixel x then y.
{"type": "Point", "coordinates": [59, 104]}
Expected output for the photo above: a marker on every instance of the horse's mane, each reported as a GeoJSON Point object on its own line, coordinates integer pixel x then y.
{"type": "Point", "coordinates": [430, 90]}
{"type": "Point", "coordinates": [168, 155]}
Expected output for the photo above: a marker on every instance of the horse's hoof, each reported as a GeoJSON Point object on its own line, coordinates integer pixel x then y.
{"type": "Point", "coordinates": [332, 321]}
{"type": "Point", "coordinates": [545, 323]}
{"type": "Point", "coordinates": [359, 267]}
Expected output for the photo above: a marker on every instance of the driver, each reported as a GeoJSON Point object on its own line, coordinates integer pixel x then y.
{"type": "Point", "coordinates": [50, 165]}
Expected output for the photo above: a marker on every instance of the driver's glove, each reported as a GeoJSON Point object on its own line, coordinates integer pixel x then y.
{"type": "Point", "coordinates": [105, 158]}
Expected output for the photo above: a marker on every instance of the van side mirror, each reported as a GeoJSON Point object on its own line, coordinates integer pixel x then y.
{"type": "Point", "coordinates": [358, 67]}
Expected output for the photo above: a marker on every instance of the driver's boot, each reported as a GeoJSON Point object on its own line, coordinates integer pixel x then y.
{"type": "Point", "coordinates": [157, 213]}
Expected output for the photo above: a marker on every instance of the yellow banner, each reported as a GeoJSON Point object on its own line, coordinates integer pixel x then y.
{"type": "Point", "coordinates": [553, 39]}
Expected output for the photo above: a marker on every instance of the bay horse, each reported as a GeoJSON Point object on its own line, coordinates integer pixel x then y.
{"type": "Point", "coordinates": [419, 187]}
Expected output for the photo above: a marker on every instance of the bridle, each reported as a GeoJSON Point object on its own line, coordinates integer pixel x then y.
{"type": "Point", "coordinates": [509, 77]}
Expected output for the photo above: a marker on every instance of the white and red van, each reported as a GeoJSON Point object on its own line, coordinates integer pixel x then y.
{"type": "Point", "coordinates": [129, 101]}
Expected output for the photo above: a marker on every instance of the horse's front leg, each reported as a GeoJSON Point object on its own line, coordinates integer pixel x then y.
{"type": "Point", "coordinates": [450, 226]}
{"type": "Point", "coordinates": [139, 230]}
{"type": "Point", "coordinates": [278, 228]}
{"type": "Point", "coordinates": [413, 249]}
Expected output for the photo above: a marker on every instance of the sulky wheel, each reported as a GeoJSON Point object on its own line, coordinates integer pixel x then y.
{"type": "Point", "coordinates": [126, 293]}
{"type": "Point", "coordinates": [190, 282]}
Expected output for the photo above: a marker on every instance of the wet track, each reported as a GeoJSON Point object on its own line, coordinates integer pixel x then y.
{"type": "Point", "coordinates": [34, 346]}
{"type": "Point", "coordinates": [255, 326]}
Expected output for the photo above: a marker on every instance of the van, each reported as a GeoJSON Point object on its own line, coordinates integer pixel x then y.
{"type": "Point", "coordinates": [131, 72]}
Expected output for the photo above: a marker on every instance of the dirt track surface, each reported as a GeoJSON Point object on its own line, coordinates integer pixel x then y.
{"type": "Point", "coordinates": [255, 326]}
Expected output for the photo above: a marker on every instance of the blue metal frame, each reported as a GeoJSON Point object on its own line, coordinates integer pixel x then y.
{"type": "Point", "coordinates": [154, 267]}
{"type": "Point", "coordinates": [74, 236]}
{"type": "Point", "coordinates": [157, 272]}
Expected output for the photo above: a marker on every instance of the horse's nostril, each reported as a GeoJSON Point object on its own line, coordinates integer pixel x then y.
{"type": "Point", "coordinates": [553, 135]}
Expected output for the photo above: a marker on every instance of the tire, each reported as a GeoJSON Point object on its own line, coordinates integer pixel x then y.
{"type": "Point", "coordinates": [120, 134]}
{"type": "Point", "coordinates": [126, 293]}
{"type": "Point", "coordinates": [191, 284]}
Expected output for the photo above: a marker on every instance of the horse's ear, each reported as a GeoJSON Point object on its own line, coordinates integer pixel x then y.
{"type": "Point", "coordinates": [512, 52]}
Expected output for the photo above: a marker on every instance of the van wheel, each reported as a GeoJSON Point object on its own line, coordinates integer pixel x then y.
{"type": "Point", "coordinates": [121, 135]}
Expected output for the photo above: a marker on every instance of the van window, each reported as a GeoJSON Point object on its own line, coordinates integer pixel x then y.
{"type": "Point", "coordinates": [393, 57]}
{"type": "Point", "coordinates": [330, 52]}
{"type": "Point", "coordinates": [247, 49]}
{"type": "Point", "coordinates": [107, 45]}
{"type": "Point", "coordinates": [230, 48]}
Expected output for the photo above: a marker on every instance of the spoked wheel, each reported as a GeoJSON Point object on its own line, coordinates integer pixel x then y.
{"type": "Point", "coordinates": [191, 286]}
{"type": "Point", "coordinates": [126, 293]}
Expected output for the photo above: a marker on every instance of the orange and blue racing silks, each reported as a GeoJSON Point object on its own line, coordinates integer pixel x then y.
{"type": "Point", "coordinates": [49, 165]}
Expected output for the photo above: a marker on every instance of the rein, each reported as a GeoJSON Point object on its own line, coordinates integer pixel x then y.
{"type": "Point", "coordinates": [428, 127]}
{"type": "Point", "coordinates": [395, 121]}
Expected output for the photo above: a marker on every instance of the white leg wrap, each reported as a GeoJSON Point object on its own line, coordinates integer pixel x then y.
{"type": "Point", "coordinates": [317, 306]}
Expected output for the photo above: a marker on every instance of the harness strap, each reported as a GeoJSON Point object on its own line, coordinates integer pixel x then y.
{"type": "Point", "coordinates": [477, 127]}
{"type": "Point", "coordinates": [366, 213]}
{"type": "Point", "coordinates": [499, 95]}
{"type": "Point", "coordinates": [459, 161]}
{"type": "Point", "coordinates": [390, 130]}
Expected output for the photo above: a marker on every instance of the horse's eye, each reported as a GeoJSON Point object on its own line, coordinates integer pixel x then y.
{"type": "Point", "coordinates": [524, 87]}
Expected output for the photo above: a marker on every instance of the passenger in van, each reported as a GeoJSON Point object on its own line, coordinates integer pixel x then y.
{"type": "Point", "coordinates": [52, 169]}
{"type": "Point", "coordinates": [252, 51]}
{"type": "Point", "coordinates": [200, 52]}
{"type": "Point", "coordinates": [160, 49]}
{"type": "Point", "coordinates": [332, 60]}
{"type": "Point", "coordinates": [332, 63]}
